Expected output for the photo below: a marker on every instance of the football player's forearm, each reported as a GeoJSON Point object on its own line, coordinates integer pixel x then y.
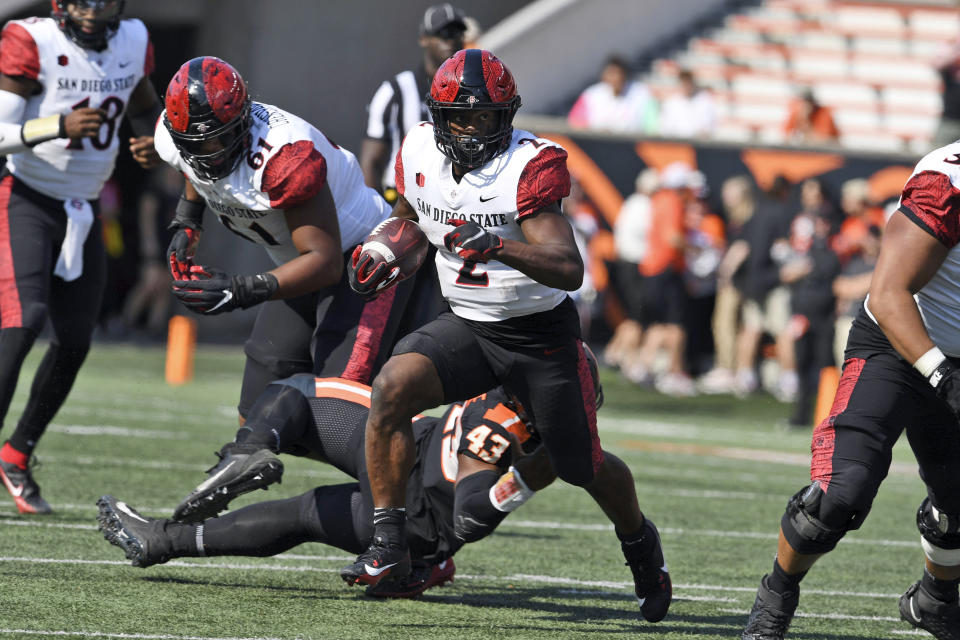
{"type": "Point", "coordinates": [553, 265]}
{"type": "Point", "coordinates": [898, 316]}
{"type": "Point", "coordinates": [308, 272]}
{"type": "Point", "coordinates": [16, 135]}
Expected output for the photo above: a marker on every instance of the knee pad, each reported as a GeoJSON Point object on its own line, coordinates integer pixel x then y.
{"type": "Point", "coordinates": [33, 316]}
{"type": "Point", "coordinates": [939, 534]}
{"type": "Point", "coordinates": [812, 524]}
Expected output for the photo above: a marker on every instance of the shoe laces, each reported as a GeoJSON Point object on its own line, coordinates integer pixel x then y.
{"type": "Point", "coordinates": [768, 619]}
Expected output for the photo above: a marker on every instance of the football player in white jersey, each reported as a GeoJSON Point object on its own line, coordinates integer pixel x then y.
{"type": "Point", "coordinates": [277, 181]}
{"type": "Point", "coordinates": [899, 374]}
{"type": "Point", "coordinates": [488, 197]}
{"type": "Point", "coordinates": [65, 83]}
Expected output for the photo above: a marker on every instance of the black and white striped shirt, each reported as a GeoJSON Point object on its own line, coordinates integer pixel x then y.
{"type": "Point", "coordinates": [398, 104]}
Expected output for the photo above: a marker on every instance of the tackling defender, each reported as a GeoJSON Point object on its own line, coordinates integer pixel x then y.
{"type": "Point", "coordinates": [65, 83]}
{"type": "Point", "coordinates": [488, 197]}
{"type": "Point", "coordinates": [911, 317]}
{"type": "Point", "coordinates": [470, 471]}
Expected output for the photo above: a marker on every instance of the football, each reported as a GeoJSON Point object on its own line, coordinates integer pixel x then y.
{"type": "Point", "coordinates": [399, 243]}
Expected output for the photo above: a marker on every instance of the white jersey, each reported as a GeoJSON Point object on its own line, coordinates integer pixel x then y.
{"type": "Point", "coordinates": [931, 198]}
{"type": "Point", "coordinates": [288, 162]}
{"type": "Point", "coordinates": [73, 77]}
{"type": "Point", "coordinates": [529, 175]}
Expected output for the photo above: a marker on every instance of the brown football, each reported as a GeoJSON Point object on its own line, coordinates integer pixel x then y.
{"type": "Point", "coordinates": [398, 242]}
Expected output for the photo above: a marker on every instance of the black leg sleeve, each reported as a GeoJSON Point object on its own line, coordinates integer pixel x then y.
{"type": "Point", "coordinates": [324, 515]}
{"type": "Point", "coordinates": [279, 420]}
{"type": "Point", "coordinates": [15, 344]}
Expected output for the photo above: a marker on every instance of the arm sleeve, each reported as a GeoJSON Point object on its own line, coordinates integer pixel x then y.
{"type": "Point", "coordinates": [398, 171]}
{"type": "Point", "coordinates": [294, 174]}
{"type": "Point", "coordinates": [544, 180]}
{"type": "Point", "coordinates": [11, 122]}
{"type": "Point", "coordinates": [474, 516]}
{"type": "Point", "coordinates": [19, 56]}
{"type": "Point", "coordinates": [932, 202]}
{"type": "Point", "coordinates": [149, 63]}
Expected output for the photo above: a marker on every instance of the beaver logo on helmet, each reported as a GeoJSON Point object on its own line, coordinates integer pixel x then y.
{"type": "Point", "coordinates": [473, 79]}
{"type": "Point", "coordinates": [105, 18]}
{"type": "Point", "coordinates": [208, 116]}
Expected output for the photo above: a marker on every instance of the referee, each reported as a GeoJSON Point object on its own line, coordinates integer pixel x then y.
{"type": "Point", "coordinates": [399, 102]}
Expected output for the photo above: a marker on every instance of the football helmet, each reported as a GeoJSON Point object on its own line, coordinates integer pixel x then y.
{"type": "Point", "coordinates": [208, 116]}
{"type": "Point", "coordinates": [472, 79]}
{"type": "Point", "coordinates": [106, 18]}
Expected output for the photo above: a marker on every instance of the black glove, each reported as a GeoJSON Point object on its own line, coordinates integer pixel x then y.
{"type": "Point", "coordinates": [212, 292]}
{"type": "Point", "coordinates": [369, 279]}
{"type": "Point", "coordinates": [187, 225]}
{"type": "Point", "coordinates": [946, 382]}
{"type": "Point", "coordinates": [471, 242]}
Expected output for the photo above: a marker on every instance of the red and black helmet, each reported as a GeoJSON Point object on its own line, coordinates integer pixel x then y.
{"type": "Point", "coordinates": [106, 18]}
{"type": "Point", "coordinates": [472, 79]}
{"type": "Point", "coordinates": [208, 116]}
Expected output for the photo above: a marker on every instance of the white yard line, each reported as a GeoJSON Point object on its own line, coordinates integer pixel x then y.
{"type": "Point", "coordinates": [130, 636]}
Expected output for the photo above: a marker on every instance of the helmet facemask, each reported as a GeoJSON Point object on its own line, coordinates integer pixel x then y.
{"type": "Point", "coordinates": [107, 18]}
{"type": "Point", "coordinates": [472, 151]}
{"type": "Point", "coordinates": [193, 144]}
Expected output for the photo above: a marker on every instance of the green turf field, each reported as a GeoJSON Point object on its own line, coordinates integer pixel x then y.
{"type": "Point", "coordinates": [713, 473]}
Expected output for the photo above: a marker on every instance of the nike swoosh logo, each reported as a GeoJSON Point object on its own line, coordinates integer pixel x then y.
{"type": "Point", "coordinates": [203, 486]}
{"type": "Point", "coordinates": [127, 510]}
{"type": "Point", "coordinates": [395, 237]}
{"type": "Point", "coordinates": [227, 297]}
{"type": "Point", "coordinates": [482, 199]}
{"type": "Point", "coordinates": [124, 64]}
{"type": "Point", "coordinates": [913, 611]}
{"type": "Point", "coordinates": [16, 492]}
{"type": "Point", "coordinates": [373, 571]}
{"type": "Point", "coordinates": [550, 352]}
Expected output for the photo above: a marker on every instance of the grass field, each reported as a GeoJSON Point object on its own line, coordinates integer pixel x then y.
{"type": "Point", "coordinates": [713, 473]}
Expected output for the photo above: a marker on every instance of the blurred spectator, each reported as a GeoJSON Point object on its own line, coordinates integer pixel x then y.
{"type": "Point", "coordinates": [583, 219]}
{"type": "Point", "coordinates": [692, 112]}
{"type": "Point", "coordinates": [810, 271]}
{"type": "Point", "coordinates": [664, 295]}
{"type": "Point", "coordinates": [737, 197]}
{"type": "Point", "coordinates": [860, 214]}
{"type": "Point", "coordinates": [148, 303]}
{"type": "Point", "coordinates": [630, 238]}
{"type": "Point", "coordinates": [703, 250]}
{"type": "Point", "coordinates": [399, 102]}
{"type": "Point", "coordinates": [616, 103]}
{"type": "Point", "coordinates": [852, 286]}
{"type": "Point", "coordinates": [947, 63]}
{"type": "Point", "coordinates": [809, 121]}
{"type": "Point", "coordinates": [766, 304]}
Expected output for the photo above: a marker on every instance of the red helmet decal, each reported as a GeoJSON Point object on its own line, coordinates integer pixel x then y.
{"type": "Point", "coordinates": [177, 100]}
{"type": "Point", "coordinates": [499, 80]}
{"type": "Point", "coordinates": [446, 82]}
{"type": "Point", "coordinates": [225, 89]}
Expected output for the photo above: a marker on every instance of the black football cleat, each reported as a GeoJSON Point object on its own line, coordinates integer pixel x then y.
{"type": "Point", "coordinates": [651, 578]}
{"type": "Point", "coordinates": [771, 614]}
{"type": "Point", "coordinates": [23, 488]}
{"type": "Point", "coordinates": [923, 611]}
{"type": "Point", "coordinates": [144, 540]}
{"type": "Point", "coordinates": [377, 563]}
{"type": "Point", "coordinates": [242, 469]}
{"type": "Point", "coordinates": [421, 578]}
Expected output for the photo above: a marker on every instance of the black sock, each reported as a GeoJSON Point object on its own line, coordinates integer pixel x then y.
{"type": "Point", "coordinates": [943, 590]}
{"type": "Point", "coordinates": [781, 582]}
{"type": "Point", "coordinates": [636, 542]}
{"type": "Point", "coordinates": [389, 526]}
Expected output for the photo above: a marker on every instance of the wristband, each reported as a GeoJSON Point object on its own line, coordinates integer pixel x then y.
{"type": "Point", "coordinates": [40, 130]}
{"type": "Point", "coordinates": [188, 214]}
{"type": "Point", "coordinates": [509, 491]}
{"type": "Point", "coordinates": [927, 363]}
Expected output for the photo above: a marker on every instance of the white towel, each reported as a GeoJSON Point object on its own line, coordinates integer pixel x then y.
{"type": "Point", "coordinates": [79, 220]}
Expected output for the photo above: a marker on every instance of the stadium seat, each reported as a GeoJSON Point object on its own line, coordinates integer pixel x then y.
{"type": "Point", "coordinates": [932, 24]}
{"type": "Point", "coordinates": [846, 94]}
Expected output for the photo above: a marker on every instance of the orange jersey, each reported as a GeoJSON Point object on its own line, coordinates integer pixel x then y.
{"type": "Point", "coordinates": [665, 241]}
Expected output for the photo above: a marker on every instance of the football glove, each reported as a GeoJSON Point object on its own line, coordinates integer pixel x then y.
{"type": "Point", "coordinates": [211, 292]}
{"type": "Point", "coordinates": [471, 242]}
{"type": "Point", "coordinates": [946, 382]}
{"type": "Point", "coordinates": [186, 225]}
{"type": "Point", "coordinates": [369, 279]}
